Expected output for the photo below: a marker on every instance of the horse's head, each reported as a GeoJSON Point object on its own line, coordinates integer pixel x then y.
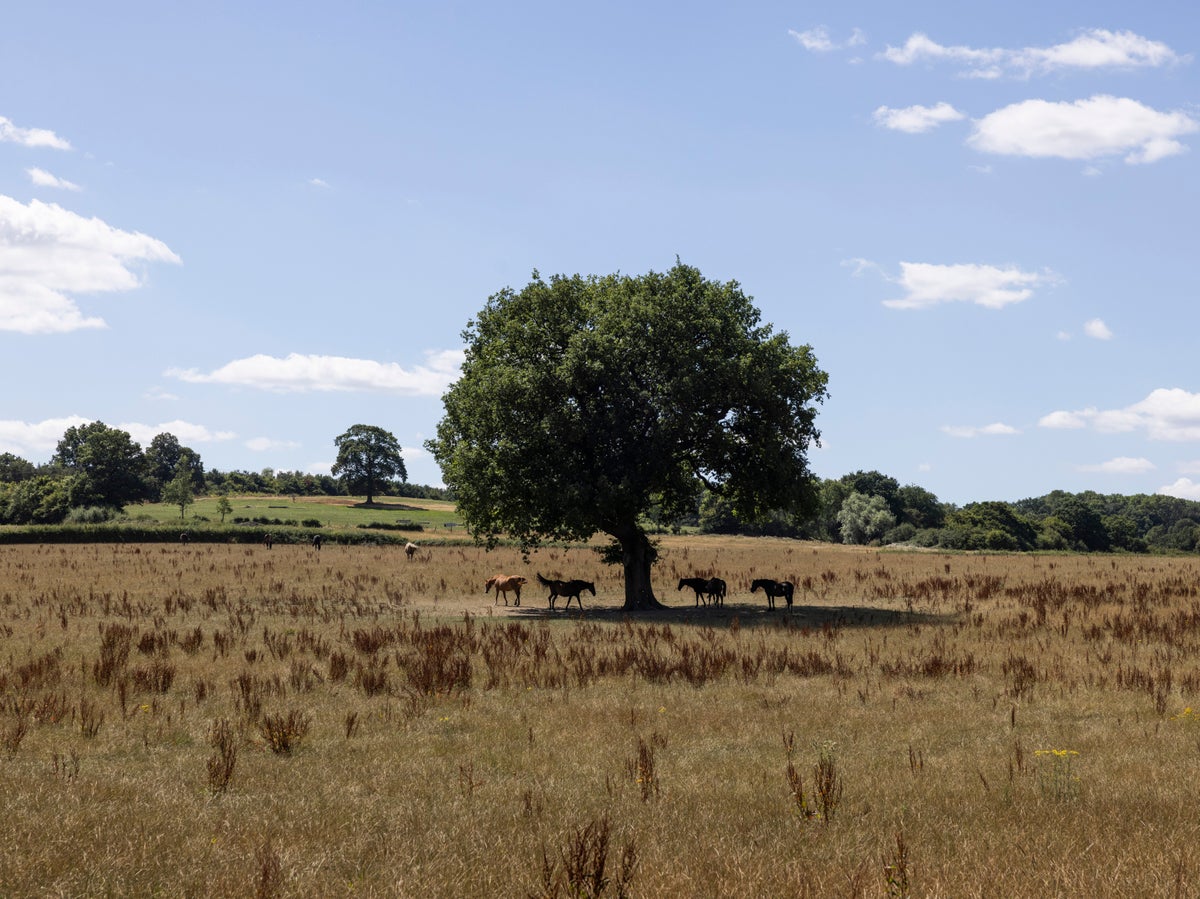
{"type": "Point", "coordinates": [680, 587]}
{"type": "Point", "coordinates": [591, 587]}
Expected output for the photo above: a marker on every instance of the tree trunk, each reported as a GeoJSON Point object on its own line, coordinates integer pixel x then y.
{"type": "Point", "coordinates": [637, 555]}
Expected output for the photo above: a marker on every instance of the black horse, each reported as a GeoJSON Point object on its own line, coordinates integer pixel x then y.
{"type": "Point", "coordinates": [567, 589]}
{"type": "Point", "coordinates": [706, 588]}
{"type": "Point", "coordinates": [716, 590]}
{"type": "Point", "coordinates": [773, 589]}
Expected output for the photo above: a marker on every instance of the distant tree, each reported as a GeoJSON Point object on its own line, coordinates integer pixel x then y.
{"type": "Point", "coordinates": [42, 499]}
{"type": "Point", "coordinates": [110, 466]}
{"type": "Point", "coordinates": [874, 483]}
{"type": "Point", "coordinates": [163, 456]}
{"type": "Point", "coordinates": [224, 507]}
{"type": "Point", "coordinates": [919, 507]}
{"type": "Point", "coordinates": [865, 518]}
{"type": "Point", "coordinates": [14, 469]}
{"type": "Point", "coordinates": [178, 491]}
{"type": "Point", "coordinates": [584, 401]}
{"type": "Point", "coordinates": [368, 459]}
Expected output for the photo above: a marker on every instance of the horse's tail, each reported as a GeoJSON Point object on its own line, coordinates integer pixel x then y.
{"type": "Point", "coordinates": [543, 581]}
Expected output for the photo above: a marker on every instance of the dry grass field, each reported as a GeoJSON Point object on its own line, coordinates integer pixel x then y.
{"type": "Point", "coordinates": [230, 720]}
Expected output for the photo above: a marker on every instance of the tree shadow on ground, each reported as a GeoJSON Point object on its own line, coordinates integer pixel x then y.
{"type": "Point", "coordinates": [746, 615]}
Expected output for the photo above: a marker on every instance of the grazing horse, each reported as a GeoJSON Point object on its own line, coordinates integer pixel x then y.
{"type": "Point", "coordinates": [317, 540]}
{"type": "Point", "coordinates": [567, 589]}
{"type": "Point", "coordinates": [410, 550]}
{"type": "Point", "coordinates": [184, 538]}
{"type": "Point", "coordinates": [699, 584]}
{"type": "Point", "coordinates": [268, 540]}
{"type": "Point", "coordinates": [773, 589]}
{"type": "Point", "coordinates": [503, 583]}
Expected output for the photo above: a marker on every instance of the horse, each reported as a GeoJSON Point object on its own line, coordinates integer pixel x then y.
{"type": "Point", "coordinates": [699, 584]}
{"type": "Point", "coordinates": [773, 589]}
{"type": "Point", "coordinates": [185, 538]}
{"type": "Point", "coordinates": [268, 540]}
{"type": "Point", "coordinates": [567, 589]}
{"type": "Point", "coordinates": [503, 583]}
{"type": "Point", "coordinates": [316, 541]}
{"type": "Point", "coordinates": [716, 590]}
{"type": "Point", "coordinates": [410, 550]}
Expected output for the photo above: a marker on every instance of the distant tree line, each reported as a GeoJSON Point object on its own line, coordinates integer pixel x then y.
{"type": "Point", "coordinates": [868, 507]}
{"type": "Point", "coordinates": [97, 470]}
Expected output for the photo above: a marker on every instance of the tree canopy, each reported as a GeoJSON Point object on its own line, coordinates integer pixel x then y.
{"type": "Point", "coordinates": [368, 459]}
{"type": "Point", "coordinates": [584, 401]}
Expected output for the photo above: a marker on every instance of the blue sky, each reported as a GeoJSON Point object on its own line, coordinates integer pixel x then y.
{"type": "Point", "coordinates": [254, 225]}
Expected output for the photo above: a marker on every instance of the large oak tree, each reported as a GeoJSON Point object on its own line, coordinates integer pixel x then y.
{"type": "Point", "coordinates": [585, 400]}
{"type": "Point", "coordinates": [368, 459]}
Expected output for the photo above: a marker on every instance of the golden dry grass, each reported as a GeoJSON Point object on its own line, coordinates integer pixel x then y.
{"type": "Point", "coordinates": [295, 723]}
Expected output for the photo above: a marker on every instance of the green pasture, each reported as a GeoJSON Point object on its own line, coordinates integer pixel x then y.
{"type": "Point", "coordinates": [436, 517]}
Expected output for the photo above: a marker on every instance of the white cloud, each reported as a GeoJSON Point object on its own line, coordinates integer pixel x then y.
{"type": "Point", "coordinates": [30, 137]}
{"type": "Point", "coordinates": [996, 429]}
{"type": "Point", "coordinates": [818, 41]}
{"type": "Point", "coordinates": [916, 119]}
{"type": "Point", "coordinates": [318, 182]}
{"type": "Point", "coordinates": [158, 393]}
{"type": "Point", "coordinates": [302, 374]}
{"type": "Point", "coordinates": [1097, 127]}
{"type": "Point", "coordinates": [1097, 48]}
{"type": "Point", "coordinates": [1097, 329]}
{"type": "Point", "coordinates": [920, 47]}
{"type": "Point", "coordinates": [187, 432]}
{"type": "Point", "coordinates": [42, 178]}
{"type": "Point", "coordinates": [928, 284]}
{"type": "Point", "coordinates": [319, 468]}
{"type": "Point", "coordinates": [1121, 465]}
{"type": "Point", "coordinates": [1184, 488]}
{"type": "Point", "coordinates": [48, 253]}
{"type": "Point", "coordinates": [262, 444]}
{"type": "Point", "coordinates": [1166, 414]}
{"type": "Point", "coordinates": [39, 438]}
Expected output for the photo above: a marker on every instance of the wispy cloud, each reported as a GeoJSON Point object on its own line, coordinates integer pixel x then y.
{"type": "Point", "coordinates": [42, 178]}
{"type": "Point", "coordinates": [318, 182]}
{"type": "Point", "coordinates": [818, 40]}
{"type": "Point", "coordinates": [1098, 127]}
{"type": "Point", "coordinates": [264, 444]}
{"type": "Point", "coordinates": [997, 429]}
{"type": "Point", "coordinates": [1096, 48]}
{"type": "Point", "coordinates": [1097, 329]}
{"type": "Point", "coordinates": [1121, 465]}
{"type": "Point", "coordinates": [30, 137]}
{"type": "Point", "coordinates": [48, 254]}
{"type": "Point", "coordinates": [916, 119]}
{"type": "Point", "coordinates": [929, 284]}
{"type": "Point", "coordinates": [297, 373]}
{"type": "Point", "coordinates": [1165, 414]}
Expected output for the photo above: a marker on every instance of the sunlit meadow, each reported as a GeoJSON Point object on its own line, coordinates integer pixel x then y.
{"type": "Point", "coordinates": [227, 719]}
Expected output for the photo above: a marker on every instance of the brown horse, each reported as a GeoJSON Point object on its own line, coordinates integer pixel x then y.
{"type": "Point", "coordinates": [567, 589]}
{"type": "Point", "coordinates": [504, 583]}
{"type": "Point", "coordinates": [773, 589]}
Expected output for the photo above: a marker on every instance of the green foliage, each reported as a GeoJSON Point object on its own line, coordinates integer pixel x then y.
{"type": "Point", "coordinates": [110, 466]}
{"type": "Point", "coordinates": [585, 401]}
{"type": "Point", "coordinates": [90, 515]}
{"type": "Point", "coordinates": [368, 459]}
{"type": "Point", "coordinates": [178, 491]}
{"type": "Point", "coordinates": [864, 519]}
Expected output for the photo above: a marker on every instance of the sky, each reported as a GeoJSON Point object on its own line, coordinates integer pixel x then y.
{"type": "Point", "coordinates": [253, 225]}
